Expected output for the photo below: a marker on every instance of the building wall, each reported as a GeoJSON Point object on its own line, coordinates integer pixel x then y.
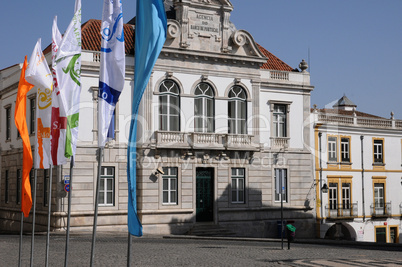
{"type": "Point", "coordinates": [362, 225]}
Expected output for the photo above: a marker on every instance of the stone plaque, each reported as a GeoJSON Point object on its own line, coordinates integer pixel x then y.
{"type": "Point", "coordinates": [204, 24]}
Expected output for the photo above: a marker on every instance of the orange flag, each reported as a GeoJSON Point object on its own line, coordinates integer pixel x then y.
{"type": "Point", "coordinates": [21, 123]}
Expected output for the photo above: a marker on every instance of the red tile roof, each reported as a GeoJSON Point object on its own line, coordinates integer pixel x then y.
{"type": "Point", "coordinates": [91, 37]}
{"type": "Point", "coordinates": [91, 40]}
{"type": "Point", "coordinates": [273, 62]}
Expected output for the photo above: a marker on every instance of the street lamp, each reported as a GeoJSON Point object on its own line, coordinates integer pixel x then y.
{"type": "Point", "coordinates": [324, 188]}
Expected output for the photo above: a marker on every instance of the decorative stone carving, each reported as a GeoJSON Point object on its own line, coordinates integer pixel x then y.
{"type": "Point", "coordinates": [303, 65]}
{"type": "Point", "coordinates": [173, 29]}
{"type": "Point", "coordinates": [239, 38]}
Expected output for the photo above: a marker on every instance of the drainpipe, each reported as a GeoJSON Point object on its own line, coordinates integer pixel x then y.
{"type": "Point", "coordinates": [319, 143]}
{"type": "Point", "coordinates": [364, 212]}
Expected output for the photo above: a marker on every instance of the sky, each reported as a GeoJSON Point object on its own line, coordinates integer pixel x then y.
{"type": "Point", "coordinates": [353, 47]}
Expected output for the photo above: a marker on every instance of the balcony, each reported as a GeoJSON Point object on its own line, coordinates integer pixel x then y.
{"type": "Point", "coordinates": [279, 142]}
{"type": "Point", "coordinates": [380, 209]}
{"type": "Point", "coordinates": [341, 211]}
{"type": "Point", "coordinates": [210, 141]}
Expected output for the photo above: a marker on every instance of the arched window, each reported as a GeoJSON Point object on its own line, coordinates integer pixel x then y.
{"type": "Point", "coordinates": [237, 110]}
{"type": "Point", "coordinates": [204, 108]}
{"type": "Point", "coordinates": [169, 109]}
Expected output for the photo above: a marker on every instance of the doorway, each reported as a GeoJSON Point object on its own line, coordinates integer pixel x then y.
{"type": "Point", "coordinates": [204, 194]}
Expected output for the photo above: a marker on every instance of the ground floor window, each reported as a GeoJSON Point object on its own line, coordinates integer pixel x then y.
{"type": "Point", "coordinates": [46, 187]}
{"type": "Point", "coordinates": [238, 185]}
{"type": "Point", "coordinates": [106, 186]}
{"type": "Point", "coordinates": [19, 179]}
{"type": "Point", "coordinates": [169, 189]}
{"type": "Point", "coordinates": [6, 193]}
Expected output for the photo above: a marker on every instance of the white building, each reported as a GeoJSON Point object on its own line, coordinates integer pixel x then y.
{"type": "Point", "coordinates": [360, 164]}
{"type": "Point", "coordinates": [220, 116]}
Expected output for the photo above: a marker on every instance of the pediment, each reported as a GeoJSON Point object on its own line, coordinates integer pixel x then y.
{"type": "Point", "coordinates": [214, 2]}
{"type": "Point", "coordinates": [205, 26]}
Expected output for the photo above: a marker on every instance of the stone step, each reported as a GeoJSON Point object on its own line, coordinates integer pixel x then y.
{"type": "Point", "coordinates": [209, 230]}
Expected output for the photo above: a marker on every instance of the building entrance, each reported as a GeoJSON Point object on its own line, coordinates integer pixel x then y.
{"type": "Point", "coordinates": [204, 194]}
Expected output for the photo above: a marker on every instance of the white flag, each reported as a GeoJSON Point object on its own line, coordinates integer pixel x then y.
{"type": "Point", "coordinates": [38, 74]}
{"type": "Point", "coordinates": [59, 123]}
{"type": "Point", "coordinates": [112, 67]}
{"type": "Point", "coordinates": [68, 75]}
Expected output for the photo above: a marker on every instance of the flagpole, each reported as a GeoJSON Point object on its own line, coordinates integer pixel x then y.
{"type": "Point", "coordinates": [69, 212]}
{"type": "Point", "coordinates": [130, 241]}
{"type": "Point", "coordinates": [48, 215]}
{"type": "Point", "coordinates": [33, 217]}
{"type": "Point", "coordinates": [22, 228]}
{"type": "Point", "coordinates": [96, 205]}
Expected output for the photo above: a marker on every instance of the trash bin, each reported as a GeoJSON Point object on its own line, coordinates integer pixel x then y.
{"type": "Point", "coordinates": [279, 225]}
{"type": "Point", "coordinates": [290, 232]}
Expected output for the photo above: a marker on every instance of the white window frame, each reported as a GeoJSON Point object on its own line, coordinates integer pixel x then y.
{"type": "Point", "coordinates": [238, 178]}
{"type": "Point", "coordinates": [165, 99]}
{"type": "Point", "coordinates": [378, 151]}
{"type": "Point", "coordinates": [203, 98]}
{"type": "Point", "coordinates": [346, 196]}
{"type": "Point", "coordinates": [345, 149]}
{"type": "Point", "coordinates": [379, 198]}
{"type": "Point", "coordinates": [332, 149]}
{"type": "Point", "coordinates": [104, 189]}
{"type": "Point", "coordinates": [236, 120]}
{"type": "Point", "coordinates": [170, 186]}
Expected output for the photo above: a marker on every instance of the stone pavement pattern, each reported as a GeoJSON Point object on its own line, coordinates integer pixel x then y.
{"type": "Point", "coordinates": [111, 250]}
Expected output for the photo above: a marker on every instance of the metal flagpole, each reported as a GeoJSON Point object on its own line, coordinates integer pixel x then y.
{"type": "Point", "coordinates": [33, 217]}
{"type": "Point", "coordinates": [281, 190]}
{"type": "Point", "coordinates": [22, 228]}
{"type": "Point", "coordinates": [69, 212]}
{"type": "Point", "coordinates": [48, 215]}
{"type": "Point", "coordinates": [96, 205]}
{"type": "Point", "coordinates": [130, 241]}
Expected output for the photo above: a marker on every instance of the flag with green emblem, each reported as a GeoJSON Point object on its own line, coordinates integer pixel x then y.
{"type": "Point", "coordinates": [67, 65]}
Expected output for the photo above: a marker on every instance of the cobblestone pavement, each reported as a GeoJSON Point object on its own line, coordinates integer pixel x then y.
{"type": "Point", "coordinates": [111, 250]}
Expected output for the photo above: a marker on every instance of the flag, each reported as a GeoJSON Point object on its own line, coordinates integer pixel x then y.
{"type": "Point", "coordinates": [21, 123]}
{"type": "Point", "coordinates": [58, 123]}
{"type": "Point", "coordinates": [150, 35]}
{"type": "Point", "coordinates": [112, 67]}
{"type": "Point", "coordinates": [68, 76]}
{"type": "Point", "coordinates": [38, 74]}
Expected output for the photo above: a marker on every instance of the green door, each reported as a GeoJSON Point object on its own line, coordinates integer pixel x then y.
{"type": "Point", "coordinates": [204, 196]}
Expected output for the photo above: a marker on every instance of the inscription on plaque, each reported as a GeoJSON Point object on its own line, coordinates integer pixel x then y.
{"type": "Point", "coordinates": [205, 24]}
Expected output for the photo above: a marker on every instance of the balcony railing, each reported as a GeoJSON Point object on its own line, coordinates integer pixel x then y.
{"type": "Point", "coordinates": [346, 210]}
{"type": "Point", "coordinates": [167, 139]}
{"type": "Point", "coordinates": [360, 121]}
{"type": "Point", "coordinates": [380, 209]}
{"type": "Point", "coordinates": [279, 142]}
{"type": "Point", "coordinates": [279, 75]}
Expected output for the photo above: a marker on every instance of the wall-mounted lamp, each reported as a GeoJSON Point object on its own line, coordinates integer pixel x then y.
{"type": "Point", "coordinates": [159, 170]}
{"type": "Point", "coordinates": [222, 156]}
{"type": "Point", "coordinates": [324, 188]}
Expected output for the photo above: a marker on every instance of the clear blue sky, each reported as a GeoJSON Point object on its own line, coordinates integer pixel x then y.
{"type": "Point", "coordinates": [355, 45]}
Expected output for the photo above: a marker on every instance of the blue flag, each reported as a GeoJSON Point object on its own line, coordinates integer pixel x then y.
{"type": "Point", "coordinates": [150, 35]}
{"type": "Point", "coordinates": [112, 68]}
